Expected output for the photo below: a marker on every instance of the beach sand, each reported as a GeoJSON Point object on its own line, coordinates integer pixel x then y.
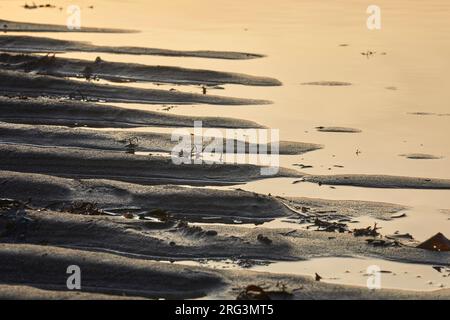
{"type": "Point", "coordinates": [86, 176]}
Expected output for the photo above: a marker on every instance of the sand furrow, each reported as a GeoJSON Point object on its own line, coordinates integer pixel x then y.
{"type": "Point", "coordinates": [125, 72]}
{"type": "Point", "coordinates": [28, 44]}
{"type": "Point", "coordinates": [72, 113]}
{"type": "Point", "coordinates": [38, 86]}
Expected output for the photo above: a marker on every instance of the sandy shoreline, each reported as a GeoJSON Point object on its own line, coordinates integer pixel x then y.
{"type": "Point", "coordinates": [161, 280]}
{"type": "Point", "coordinates": [174, 238]}
{"type": "Point", "coordinates": [37, 86]}
{"type": "Point", "coordinates": [71, 194]}
{"type": "Point", "coordinates": [116, 140]}
{"type": "Point", "coordinates": [25, 44]}
{"type": "Point", "coordinates": [72, 113]}
{"type": "Point", "coordinates": [128, 72]}
{"type": "Point", "coordinates": [15, 26]}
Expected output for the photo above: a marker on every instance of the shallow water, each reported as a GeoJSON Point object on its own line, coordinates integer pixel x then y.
{"type": "Point", "coordinates": [302, 42]}
{"type": "Point", "coordinates": [363, 272]}
{"type": "Point", "coordinates": [301, 39]}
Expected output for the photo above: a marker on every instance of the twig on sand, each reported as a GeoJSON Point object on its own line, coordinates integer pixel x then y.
{"type": "Point", "coordinates": [367, 232]}
{"type": "Point", "coordinates": [330, 226]}
{"type": "Point", "coordinates": [132, 145]}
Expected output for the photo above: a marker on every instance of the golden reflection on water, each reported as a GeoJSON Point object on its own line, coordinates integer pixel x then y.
{"type": "Point", "coordinates": [302, 40]}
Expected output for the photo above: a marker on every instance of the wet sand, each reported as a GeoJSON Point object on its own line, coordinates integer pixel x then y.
{"type": "Point", "coordinates": [150, 169]}
{"type": "Point", "coordinates": [15, 26]}
{"type": "Point", "coordinates": [127, 72]}
{"type": "Point", "coordinates": [338, 129]}
{"type": "Point", "coordinates": [161, 280]}
{"type": "Point", "coordinates": [26, 44]}
{"type": "Point", "coordinates": [73, 113]}
{"type": "Point", "coordinates": [76, 197]}
{"type": "Point", "coordinates": [37, 86]}
{"type": "Point", "coordinates": [420, 156]}
{"type": "Point", "coordinates": [164, 231]}
{"type": "Point", "coordinates": [379, 181]}
{"type": "Point", "coordinates": [327, 83]}
{"type": "Point", "coordinates": [174, 238]}
{"type": "Point", "coordinates": [118, 140]}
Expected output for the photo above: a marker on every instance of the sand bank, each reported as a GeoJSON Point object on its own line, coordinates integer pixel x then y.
{"type": "Point", "coordinates": [37, 278]}
{"type": "Point", "coordinates": [15, 26]}
{"type": "Point", "coordinates": [26, 44]}
{"type": "Point", "coordinates": [86, 163]}
{"type": "Point", "coordinates": [126, 72]}
{"type": "Point", "coordinates": [72, 113]}
{"type": "Point", "coordinates": [37, 86]}
{"type": "Point", "coordinates": [378, 181]}
{"type": "Point", "coordinates": [117, 140]}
